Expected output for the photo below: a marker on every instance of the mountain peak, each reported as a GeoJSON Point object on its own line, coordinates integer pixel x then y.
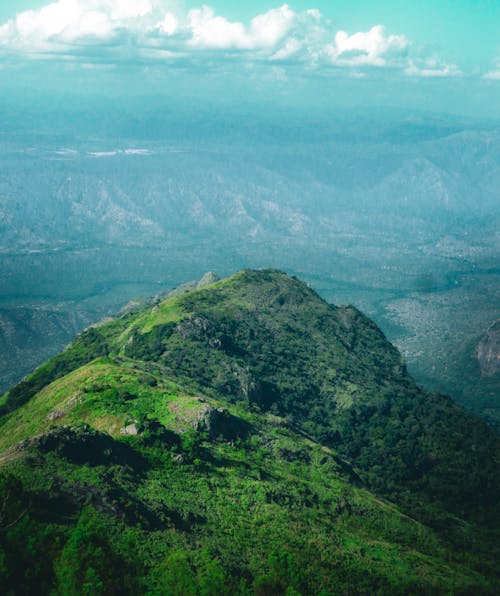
{"type": "Point", "coordinates": [208, 279]}
{"type": "Point", "coordinates": [249, 394]}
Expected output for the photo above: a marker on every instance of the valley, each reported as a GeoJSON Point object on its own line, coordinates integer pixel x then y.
{"type": "Point", "coordinates": [404, 226]}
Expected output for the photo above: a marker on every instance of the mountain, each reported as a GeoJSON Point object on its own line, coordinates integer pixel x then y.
{"type": "Point", "coordinates": [242, 436]}
{"type": "Point", "coordinates": [488, 351]}
{"type": "Point", "coordinates": [397, 213]}
{"type": "Point", "coordinates": [31, 335]}
{"type": "Point", "coordinates": [478, 367]}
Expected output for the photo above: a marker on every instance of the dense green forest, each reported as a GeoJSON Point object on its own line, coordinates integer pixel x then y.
{"type": "Point", "coordinates": [242, 437]}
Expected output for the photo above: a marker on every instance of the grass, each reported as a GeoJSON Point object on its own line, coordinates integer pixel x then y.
{"type": "Point", "coordinates": [273, 509]}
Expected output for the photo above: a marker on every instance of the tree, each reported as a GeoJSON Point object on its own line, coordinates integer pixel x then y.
{"type": "Point", "coordinates": [87, 565]}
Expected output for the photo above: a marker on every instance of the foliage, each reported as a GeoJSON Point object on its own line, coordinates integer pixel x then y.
{"type": "Point", "coordinates": [88, 564]}
{"type": "Point", "coordinates": [115, 481]}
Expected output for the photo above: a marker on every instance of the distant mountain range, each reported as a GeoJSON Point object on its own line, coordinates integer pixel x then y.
{"type": "Point", "coordinates": [60, 197]}
{"type": "Point", "coordinates": [396, 214]}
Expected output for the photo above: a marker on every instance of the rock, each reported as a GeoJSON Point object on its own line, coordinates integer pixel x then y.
{"type": "Point", "coordinates": [187, 287]}
{"type": "Point", "coordinates": [193, 328]}
{"type": "Point", "coordinates": [218, 422]}
{"type": "Point", "coordinates": [83, 445]}
{"type": "Point", "coordinates": [488, 351]}
{"type": "Point", "coordinates": [131, 429]}
{"type": "Point", "coordinates": [55, 415]}
{"type": "Point", "coordinates": [209, 278]}
{"type": "Point", "coordinates": [132, 306]}
{"type": "Point", "coordinates": [72, 401]}
{"type": "Point", "coordinates": [254, 391]}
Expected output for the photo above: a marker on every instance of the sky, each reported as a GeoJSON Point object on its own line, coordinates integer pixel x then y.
{"type": "Point", "coordinates": [395, 48]}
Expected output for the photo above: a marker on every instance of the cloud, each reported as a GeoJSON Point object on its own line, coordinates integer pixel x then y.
{"type": "Point", "coordinates": [209, 31]}
{"type": "Point", "coordinates": [66, 23]}
{"type": "Point", "coordinates": [161, 31]}
{"type": "Point", "coordinates": [265, 31]}
{"type": "Point", "coordinates": [494, 74]}
{"type": "Point", "coordinates": [432, 67]}
{"type": "Point", "coordinates": [372, 48]}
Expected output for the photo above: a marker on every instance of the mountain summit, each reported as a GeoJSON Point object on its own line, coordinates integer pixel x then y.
{"type": "Point", "coordinates": [242, 436]}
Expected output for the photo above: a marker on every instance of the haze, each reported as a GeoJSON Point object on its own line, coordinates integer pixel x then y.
{"type": "Point", "coordinates": [355, 145]}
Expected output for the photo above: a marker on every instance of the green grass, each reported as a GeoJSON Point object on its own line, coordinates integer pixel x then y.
{"type": "Point", "coordinates": [331, 472]}
{"type": "Point", "coordinates": [274, 504]}
{"type": "Point", "coordinates": [167, 311]}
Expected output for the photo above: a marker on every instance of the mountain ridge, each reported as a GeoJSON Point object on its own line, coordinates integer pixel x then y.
{"type": "Point", "coordinates": [253, 380]}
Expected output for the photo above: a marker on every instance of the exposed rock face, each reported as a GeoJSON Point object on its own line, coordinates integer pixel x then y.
{"type": "Point", "coordinates": [193, 328]}
{"type": "Point", "coordinates": [218, 422]}
{"type": "Point", "coordinates": [255, 391]}
{"type": "Point", "coordinates": [488, 351]}
{"type": "Point", "coordinates": [55, 415]}
{"type": "Point", "coordinates": [209, 278]}
{"type": "Point", "coordinates": [131, 429]}
{"type": "Point", "coordinates": [81, 444]}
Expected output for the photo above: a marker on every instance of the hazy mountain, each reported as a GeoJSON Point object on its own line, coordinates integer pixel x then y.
{"type": "Point", "coordinates": [397, 214]}
{"type": "Point", "coordinates": [488, 351]}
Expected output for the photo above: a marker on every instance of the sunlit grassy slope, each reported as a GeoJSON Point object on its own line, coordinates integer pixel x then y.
{"type": "Point", "coordinates": [245, 437]}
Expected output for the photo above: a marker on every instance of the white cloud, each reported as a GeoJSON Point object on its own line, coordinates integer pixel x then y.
{"type": "Point", "coordinates": [432, 67]}
{"type": "Point", "coordinates": [373, 48]}
{"type": "Point", "coordinates": [267, 30]}
{"type": "Point", "coordinates": [494, 74]}
{"type": "Point", "coordinates": [290, 48]}
{"type": "Point", "coordinates": [77, 21]}
{"type": "Point", "coordinates": [161, 31]}
{"type": "Point", "coordinates": [211, 31]}
{"type": "Point", "coordinates": [169, 25]}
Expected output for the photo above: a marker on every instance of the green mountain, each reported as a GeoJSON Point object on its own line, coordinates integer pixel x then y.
{"type": "Point", "coordinates": [477, 367]}
{"type": "Point", "coordinates": [242, 437]}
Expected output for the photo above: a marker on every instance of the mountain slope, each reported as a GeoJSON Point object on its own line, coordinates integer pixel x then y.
{"type": "Point", "coordinates": [225, 439]}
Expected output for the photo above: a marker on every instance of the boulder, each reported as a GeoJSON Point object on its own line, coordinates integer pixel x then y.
{"type": "Point", "coordinates": [55, 415]}
{"type": "Point", "coordinates": [218, 422]}
{"type": "Point", "coordinates": [209, 278]}
{"type": "Point", "coordinates": [130, 429]}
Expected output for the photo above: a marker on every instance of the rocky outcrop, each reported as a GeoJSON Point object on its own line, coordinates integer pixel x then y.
{"type": "Point", "coordinates": [488, 351]}
{"type": "Point", "coordinates": [208, 279]}
{"type": "Point", "coordinates": [55, 415]}
{"type": "Point", "coordinates": [82, 445]}
{"type": "Point", "coordinates": [130, 429]}
{"type": "Point", "coordinates": [218, 422]}
{"type": "Point", "coordinates": [193, 328]}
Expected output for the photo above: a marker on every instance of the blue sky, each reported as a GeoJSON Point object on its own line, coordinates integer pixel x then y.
{"type": "Point", "coordinates": [390, 41]}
